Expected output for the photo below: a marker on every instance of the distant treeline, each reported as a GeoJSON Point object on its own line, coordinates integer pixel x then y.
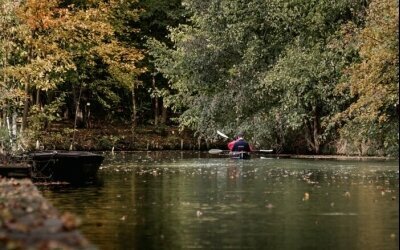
{"type": "Point", "coordinates": [304, 76]}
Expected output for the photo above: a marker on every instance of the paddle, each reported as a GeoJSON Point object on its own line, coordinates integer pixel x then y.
{"type": "Point", "coordinates": [264, 150]}
{"type": "Point", "coordinates": [218, 151]}
{"type": "Point", "coordinates": [222, 134]}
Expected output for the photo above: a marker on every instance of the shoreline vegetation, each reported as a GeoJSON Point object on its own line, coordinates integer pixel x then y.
{"type": "Point", "coordinates": [164, 138]}
{"type": "Point", "coordinates": [123, 139]}
{"type": "Point", "coordinates": [112, 138]}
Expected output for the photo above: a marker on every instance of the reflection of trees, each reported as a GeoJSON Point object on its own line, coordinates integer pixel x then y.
{"type": "Point", "coordinates": [240, 203]}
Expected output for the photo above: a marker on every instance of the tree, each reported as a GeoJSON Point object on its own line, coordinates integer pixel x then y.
{"type": "Point", "coordinates": [372, 81]}
{"type": "Point", "coordinates": [66, 52]}
{"type": "Point", "coordinates": [226, 67]}
{"type": "Point", "coordinates": [31, 60]}
{"type": "Point", "coordinates": [305, 79]}
{"type": "Point", "coordinates": [9, 50]}
{"type": "Point", "coordinates": [45, 62]}
{"type": "Point", "coordinates": [155, 19]}
{"type": "Point", "coordinates": [216, 59]}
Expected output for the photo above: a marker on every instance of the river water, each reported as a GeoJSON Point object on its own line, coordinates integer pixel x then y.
{"type": "Point", "coordinates": [181, 200]}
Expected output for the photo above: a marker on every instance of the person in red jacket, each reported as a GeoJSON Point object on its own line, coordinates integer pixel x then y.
{"type": "Point", "coordinates": [240, 144]}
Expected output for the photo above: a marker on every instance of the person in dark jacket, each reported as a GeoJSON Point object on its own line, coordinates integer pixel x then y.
{"type": "Point", "coordinates": [240, 144]}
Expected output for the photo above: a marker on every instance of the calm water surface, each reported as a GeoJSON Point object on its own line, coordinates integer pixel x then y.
{"type": "Point", "coordinates": [175, 200]}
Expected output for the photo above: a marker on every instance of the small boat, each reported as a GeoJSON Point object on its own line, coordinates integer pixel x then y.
{"type": "Point", "coordinates": [243, 155]}
{"type": "Point", "coordinates": [233, 154]}
{"type": "Point", "coordinates": [65, 166]}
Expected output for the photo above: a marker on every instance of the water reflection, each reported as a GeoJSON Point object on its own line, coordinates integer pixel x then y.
{"type": "Point", "coordinates": [165, 200]}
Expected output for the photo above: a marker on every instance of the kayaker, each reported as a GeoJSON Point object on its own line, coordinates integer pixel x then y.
{"type": "Point", "coordinates": [240, 144]}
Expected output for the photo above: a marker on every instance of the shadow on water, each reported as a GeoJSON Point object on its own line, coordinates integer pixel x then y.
{"type": "Point", "coordinates": [183, 200]}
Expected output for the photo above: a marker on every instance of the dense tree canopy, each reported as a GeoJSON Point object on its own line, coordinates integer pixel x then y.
{"type": "Point", "coordinates": [373, 81]}
{"type": "Point", "coordinates": [270, 68]}
{"type": "Point", "coordinates": [297, 76]}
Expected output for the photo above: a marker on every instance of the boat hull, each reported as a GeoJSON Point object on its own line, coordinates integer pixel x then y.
{"type": "Point", "coordinates": [240, 155]}
{"type": "Point", "coordinates": [69, 166]}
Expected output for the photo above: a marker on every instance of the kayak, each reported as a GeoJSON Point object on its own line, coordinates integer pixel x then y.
{"type": "Point", "coordinates": [240, 155]}
{"type": "Point", "coordinates": [244, 155]}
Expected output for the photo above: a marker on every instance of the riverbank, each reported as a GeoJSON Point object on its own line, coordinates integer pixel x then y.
{"type": "Point", "coordinates": [111, 137]}
{"type": "Point", "coordinates": [29, 221]}
{"type": "Point", "coordinates": [122, 138]}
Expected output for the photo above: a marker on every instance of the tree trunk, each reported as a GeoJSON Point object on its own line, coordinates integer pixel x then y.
{"type": "Point", "coordinates": [156, 104]}
{"type": "Point", "coordinates": [164, 115]}
{"type": "Point", "coordinates": [14, 130]}
{"type": "Point", "coordinates": [26, 107]}
{"type": "Point", "coordinates": [280, 138]}
{"type": "Point", "coordinates": [26, 102]}
{"type": "Point", "coordinates": [88, 123]}
{"type": "Point", "coordinates": [3, 113]}
{"type": "Point", "coordinates": [315, 132]}
{"type": "Point", "coordinates": [133, 126]}
{"type": "Point", "coordinates": [77, 110]}
{"type": "Point", "coordinates": [37, 97]}
{"type": "Point", "coordinates": [312, 133]}
{"type": "Point", "coordinates": [315, 136]}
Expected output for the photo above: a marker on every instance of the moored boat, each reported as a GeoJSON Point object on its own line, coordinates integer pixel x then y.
{"type": "Point", "coordinates": [65, 166]}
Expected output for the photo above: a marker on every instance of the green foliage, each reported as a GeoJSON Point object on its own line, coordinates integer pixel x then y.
{"type": "Point", "coordinates": [52, 50]}
{"type": "Point", "coordinates": [4, 139]}
{"type": "Point", "coordinates": [298, 76]}
{"type": "Point", "coordinates": [108, 142]}
{"type": "Point", "coordinates": [369, 138]}
{"type": "Point", "coordinates": [40, 118]}
{"type": "Point", "coordinates": [373, 81]}
{"type": "Point", "coordinates": [263, 67]}
{"type": "Point", "coordinates": [304, 79]}
{"type": "Point", "coordinates": [10, 50]}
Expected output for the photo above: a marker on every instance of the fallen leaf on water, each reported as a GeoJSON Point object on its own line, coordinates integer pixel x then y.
{"type": "Point", "coordinates": [29, 209]}
{"type": "Point", "coordinates": [5, 214]}
{"type": "Point", "coordinates": [19, 227]}
{"type": "Point", "coordinates": [13, 244]}
{"type": "Point", "coordinates": [70, 221]}
{"type": "Point", "coordinates": [269, 206]}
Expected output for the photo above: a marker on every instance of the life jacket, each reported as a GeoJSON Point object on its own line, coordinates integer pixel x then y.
{"type": "Point", "coordinates": [241, 145]}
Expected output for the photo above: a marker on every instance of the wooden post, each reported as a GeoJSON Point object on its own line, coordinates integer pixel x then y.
{"type": "Point", "coordinates": [133, 118]}
{"type": "Point", "coordinates": [156, 104]}
{"type": "Point", "coordinates": [199, 142]}
{"type": "Point", "coordinates": [71, 147]}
